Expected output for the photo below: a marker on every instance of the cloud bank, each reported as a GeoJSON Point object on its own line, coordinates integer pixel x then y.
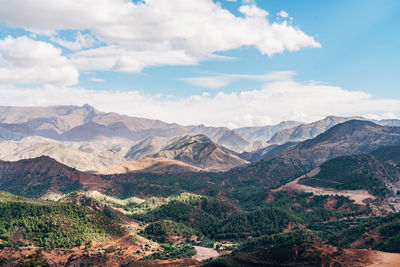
{"type": "Point", "coordinates": [277, 101]}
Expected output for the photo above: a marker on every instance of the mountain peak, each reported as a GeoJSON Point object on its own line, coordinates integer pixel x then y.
{"type": "Point", "coordinates": [88, 107]}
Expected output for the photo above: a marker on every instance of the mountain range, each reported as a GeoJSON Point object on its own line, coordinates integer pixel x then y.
{"type": "Point", "coordinates": [90, 140]}
{"type": "Point", "coordinates": [145, 192]}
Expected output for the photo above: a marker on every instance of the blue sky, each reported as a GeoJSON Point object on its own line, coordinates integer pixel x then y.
{"type": "Point", "coordinates": [359, 52]}
{"type": "Point", "coordinates": [343, 50]}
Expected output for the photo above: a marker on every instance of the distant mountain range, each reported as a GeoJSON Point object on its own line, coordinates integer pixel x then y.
{"type": "Point", "coordinates": [349, 138]}
{"type": "Point", "coordinates": [89, 140]}
{"type": "Point", "coordinates": [72, 123]}
{"type": "Point", "coordinates": [197, 153]}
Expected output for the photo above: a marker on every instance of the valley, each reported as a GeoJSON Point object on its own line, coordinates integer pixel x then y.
{"type": "Point", "coordinates": [136, 192]}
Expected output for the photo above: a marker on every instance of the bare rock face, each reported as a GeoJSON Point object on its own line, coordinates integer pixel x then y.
{"type": "Point", "coordinates": [29, 148]}
{"type": "Point", "coordinates": [146, 147]}
{"type": "Point", "coordinates": [152, 165]}
{"type": "Point", "coordinates": [200, 151]}
{"type": "Point", "coordinates": [265, 133]}
{"type": "Point", "coordinates": [307, 131]}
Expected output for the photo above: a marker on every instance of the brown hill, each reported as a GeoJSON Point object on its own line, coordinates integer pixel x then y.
{"type": "Point", "coordinates": [349, 138]}
{"type": "Point", "coordinates": [200, 151]}
{"type": "Point", "coordinates": [357, 172]}
{"type": "Point", "coordinates": [152, 165]}
{"type": "Point", "coordinates": [307, 131]}
{"type": "Point", "coordinates": [146, 147]}
{"type": "Point", "coordinates": [36, 177]}
{"type": "Point", "coordinates": [33, 147]}
{"type": "Point", "coordinates": [313, 254]}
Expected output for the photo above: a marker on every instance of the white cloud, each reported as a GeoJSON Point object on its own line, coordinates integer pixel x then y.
{"type": "Point", "coordinates": [97, 80]}
{"type": "Point", "coordinates": [248, 1]}
{"type": "Point", "coordinates": [277, 101]}
{"type": "Point", "coordinates": [283, 14]}
{"type": "Point", "coordinates": [253, 11]}
{"type": "Point", "coordinates": [81, 41]}
{"type": "Point", "coordinates": [140, 33]}
{"type": "Point", "coordinates": [118, 59]}
{"type": "Point", "coordinates": [222, 80]}
{"type": "Point", "coordinates": [26, 61]}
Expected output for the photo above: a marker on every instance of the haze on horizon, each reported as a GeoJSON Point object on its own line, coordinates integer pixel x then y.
{"type": "Point", "coordinates": [220, 63]}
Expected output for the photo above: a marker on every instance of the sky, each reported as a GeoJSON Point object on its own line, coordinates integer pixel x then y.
{"type": "Point", "coordinates": [213, 62]}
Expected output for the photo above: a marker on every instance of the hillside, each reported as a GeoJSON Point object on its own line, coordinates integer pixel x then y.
{"type": "Point", "coordinates": [28, 148]}
{"type": "Point", "coordinates": [312, 254]}
{"type": "Point", "coordinates": [146, 147]}
{"type": "Point", "coordinates": [378, 233]}
{"type": "Point", "coordinates": [359, 172]}
{"type": "Point", "coordinates": [52, 225]}
{"type": "Point", "coordinates": [348, 138]}
{"type": "Point", "coordinates": [14, 131]}
{"type": "Point", "coordinates": [221, 135]}
{"type": "Point", "coordinates": [200, 151]}
{"type": "Point", "coordinates": [36, 177]}
{"type": "Point", "coordinates": [151, 165]}
{"type": "Point", "coordinates": [390, 154]}
{"type": "Point", "coordinates": [264, 133]}
{"type": "Point", "coordinates": [307, 131]}
{"type": "Point", "coordinates": [264, 152]}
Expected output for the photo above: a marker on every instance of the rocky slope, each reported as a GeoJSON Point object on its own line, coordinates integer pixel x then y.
{"type": "Point", "coordinates": [303, 132]}
{"type": "Point", "coordinates": [264, 152]}
{"type": "Point", "coordinates": [36, 177]}
{"type": "Point", "coordinates": [200, 151]}
{"type": "Point", "coordinates": [30, 147]}
{"type": "Point", "coordinates": [146, 147]}
{"type": "Point", "coordinates": [264, 133]}
{"type": "Point", "coordinates": [307, 131]}
{"type": "Point", "coordinates": [152, 165]}
{"type": "Point", "coordinates": [348, 138]}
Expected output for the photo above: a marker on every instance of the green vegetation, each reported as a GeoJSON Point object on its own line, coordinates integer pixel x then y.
{"type": "Point", "coordinates": [307, 207]}
{"type": "Point", "coordinates": [173, 252]}
{"type": "Point", "coordinates": [164, 229]}
{"type": "Point", "coordinates": [263, 213]}
{"type": "Point", "coordinates": [209, 206]}
{"type": "Point", "coordinates": [50, 224]}
{"type": "Point", "coordinates": [388, 227]}
{"type": "Point", "coordinates": [292, 237]}
{"type": "Point", "coordinates": [353, 173]}
{"type": "Point", "coordinates": [163, 186]}
{"type": "Point", "coordinates": [182, 213]}
{"type": "Point", "coordinates": [255, 223]}
{"type": "Point", "coordinates": [388, 154]}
